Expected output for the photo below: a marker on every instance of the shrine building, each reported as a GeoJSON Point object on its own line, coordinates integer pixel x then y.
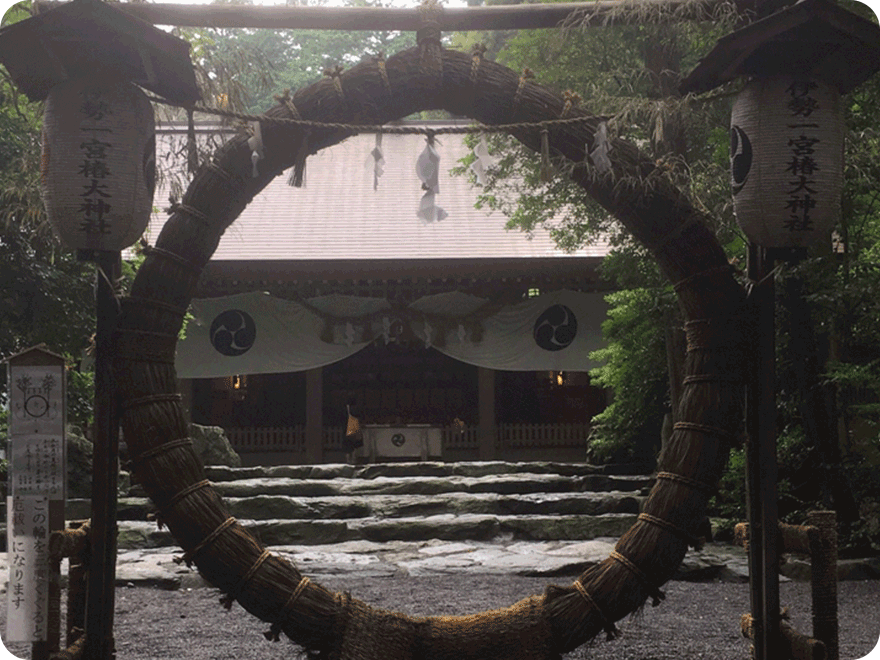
{"type": "Point", "coordinates": [448, 336]}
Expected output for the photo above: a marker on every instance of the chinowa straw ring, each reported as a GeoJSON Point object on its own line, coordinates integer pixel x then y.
{"type": "Point", "coordinates": [339, 627]}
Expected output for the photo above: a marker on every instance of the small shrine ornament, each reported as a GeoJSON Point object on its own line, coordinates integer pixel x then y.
{"type": "Point", "coordinates": [786, 158]}
{"type": "Point", "coordinates": [99, 163]}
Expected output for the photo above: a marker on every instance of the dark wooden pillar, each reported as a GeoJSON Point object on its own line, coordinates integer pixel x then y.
{"type": "Point", "coordinates": [486, 403]}
{"type": "Point", "coordinates": [314, 415]}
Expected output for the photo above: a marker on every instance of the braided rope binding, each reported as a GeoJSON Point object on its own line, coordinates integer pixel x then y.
{"type": "Point", "coordinates": [194, 213]}
{"type": "Point", "coordinates": [189, 490]}
{"type": "Point", "coordinates": [608, 626]}
{"type": "Point", "coordinates": [189, 557]}
{"type": "Point", "coordinates": [235, 592]}
{"type": "Point", "coordinates": [687, 481]}
{"type": "Point", "coordinates": [705, 428]}
{"type": "Point", "coordinates": [183, 262]}
{"type": "Point", "coordinates": [693, 541]}
{"type": "Point", "coordinates": [274, 633]}
{"type": "Point", "coordinates": [657, 596]}
{"type": "Point", "coordinates": [161, 449]}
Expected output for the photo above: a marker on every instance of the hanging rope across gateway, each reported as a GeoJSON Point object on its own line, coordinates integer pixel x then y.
{"type": "Point", "coordinates": [337, 626]}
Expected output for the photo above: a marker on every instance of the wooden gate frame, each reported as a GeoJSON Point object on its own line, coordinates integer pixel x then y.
{"type": "Point", "coordinates": [635, 190]}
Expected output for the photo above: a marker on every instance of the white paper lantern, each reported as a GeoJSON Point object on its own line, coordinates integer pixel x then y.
{"type": "Point", "coordinates": [786, 157]}
{"type": "Point", "coordinates": [99, 163]}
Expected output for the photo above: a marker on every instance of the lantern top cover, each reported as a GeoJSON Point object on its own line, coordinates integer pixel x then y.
{"type": "Point", "coordinates": [91, 37]}
{"type": "Point", "coordinates": [811, 37]}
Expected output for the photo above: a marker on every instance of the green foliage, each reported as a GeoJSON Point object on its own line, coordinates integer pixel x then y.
{"type": "Point", "coordinates": [244, 69]}
{"type": "Point", "coordinates": [635, 370]}
{"type": "Point", "coordinates": [730, 501]}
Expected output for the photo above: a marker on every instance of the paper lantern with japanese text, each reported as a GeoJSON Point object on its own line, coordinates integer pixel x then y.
{"type": "Point", "coordinates": [99, 163]}
{"type": "Point", "coordinates": [786, 158]}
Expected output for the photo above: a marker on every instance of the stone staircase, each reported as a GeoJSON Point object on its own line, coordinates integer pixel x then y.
{"type": "Point", "coordinates": [475, 501]}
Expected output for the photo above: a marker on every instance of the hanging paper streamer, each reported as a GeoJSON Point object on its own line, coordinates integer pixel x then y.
{"type": "Point", "coordinates": [255, 144]}
{"type": "Point", "coordinates": [428, 171]}
{"type": "Point", "coordinates": [378, 161]}
{"type": "Point", "coordinates": [599, 154]}
{"type": "Point", "coordinates": [483, 161]}
{"type": "Point", "coordinates": [298, 171]}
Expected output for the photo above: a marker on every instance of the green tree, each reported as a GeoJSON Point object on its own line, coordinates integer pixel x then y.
{"type": "Point", "coordinates": [245, 68]}
{"type": "Point", "coordinates": [828, 361]}
{"type": "Point", "coordinates": [630, 74]}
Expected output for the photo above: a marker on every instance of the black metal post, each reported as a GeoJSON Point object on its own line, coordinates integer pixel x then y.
{"type": "Point", "coordinates": [761, 468]}
{"type": "Point", "coordinates": [100, 600]}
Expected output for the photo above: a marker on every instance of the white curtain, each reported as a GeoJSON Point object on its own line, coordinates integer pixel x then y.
{"type": "Point", "coordinates": [553, 332]}
{"type": "Point", "coordinates": [254, 333]}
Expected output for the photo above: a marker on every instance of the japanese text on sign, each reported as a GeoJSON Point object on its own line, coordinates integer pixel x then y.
{"type": "Point", "coordinates": [27, 595]}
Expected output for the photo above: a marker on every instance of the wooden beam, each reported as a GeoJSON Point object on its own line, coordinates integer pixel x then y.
{"type": "Point", "coordinates": [496, 17]}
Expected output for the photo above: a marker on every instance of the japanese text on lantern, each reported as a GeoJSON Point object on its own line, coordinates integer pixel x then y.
{"type": "Point", "coordinates": [94, 148]}
{"type": "Point", "coordinates": [802, 165]}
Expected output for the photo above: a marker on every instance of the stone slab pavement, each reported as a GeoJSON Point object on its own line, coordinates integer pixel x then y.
{"type": "Point", "coordinates": [157, 567]}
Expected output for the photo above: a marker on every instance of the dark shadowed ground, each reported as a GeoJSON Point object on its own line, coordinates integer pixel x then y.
{"type": "Point", "coordinates": [697, 620]}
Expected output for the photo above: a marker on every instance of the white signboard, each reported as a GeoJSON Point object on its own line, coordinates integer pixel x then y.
{"type": "Point", "coordinates": [36, 404]}
{"type": "Point", "coordinates": [37, 468]}
{"type": "Point", "coordinates": [28, 557]}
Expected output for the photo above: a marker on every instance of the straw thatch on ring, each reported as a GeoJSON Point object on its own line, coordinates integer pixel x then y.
{"type": "Point", "coordinates": [330, 625]}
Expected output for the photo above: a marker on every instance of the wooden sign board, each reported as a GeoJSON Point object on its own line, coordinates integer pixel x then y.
{"type": "Point", "coordinates": [37, 470]}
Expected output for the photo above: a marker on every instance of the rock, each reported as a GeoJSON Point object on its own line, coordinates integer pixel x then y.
{"type": "Point", "coordinates": [127, 508]}
{"type": "Point", "coordinates": [800, 570]}
{"type": "Point", "coordinates": [699, 567]}
{"type": "Point", "coordinates": [858, 569]}
{"type": "Point", "coordinates": [277, 486]}
{"type": "Point", "coordinates": [298, 532]}
{"type": "Point", "coordinates": [144, 569]}
{"type": "Point", "coordinates": [79, 463]}
{"type": "Point", "coordinates": [212, 445]}
{"type": "Point", "coordinates": [135, 534]}
{"type": "Point", "coordinates": [566, 527]}
{"type": "Point", "coordinates": [79, 466]}
{"type": "Point", "coordinates": [445, 527]}
{"type": "Point", "coordinates": [226, 473]}
{"type": "Point", "coordinates": [423, 469]}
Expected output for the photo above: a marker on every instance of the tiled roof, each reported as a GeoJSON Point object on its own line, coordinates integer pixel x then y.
{"type": "Point", "coordinates": [338, 215]}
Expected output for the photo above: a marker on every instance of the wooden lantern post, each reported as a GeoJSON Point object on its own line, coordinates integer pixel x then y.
{"type": "Point", "coordinates": [98, 174]}
{"type": "Point", "coordinates": [787, 135]}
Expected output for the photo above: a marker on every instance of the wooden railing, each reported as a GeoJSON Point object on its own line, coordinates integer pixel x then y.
{"type": "Point", "coordinates": [542, 435]}
{"type": "Point", "coordinates": [456, 438]}
{"type": "Point", "coordinates": [515, 436]}
{"type": "Point", "coordinates": [265, 439]}
{"type": "Point", "coordinates": [332, 438]}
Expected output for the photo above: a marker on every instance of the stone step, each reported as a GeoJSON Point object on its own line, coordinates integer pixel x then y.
{"type": "Point", "coordinates": [262, 507]}
{"type": "Point", "coordinates": [410, 485]}
{"type": "Point", "coordinates": [413, 469]}
{"type": "Point", "coordinates": [447, 527]}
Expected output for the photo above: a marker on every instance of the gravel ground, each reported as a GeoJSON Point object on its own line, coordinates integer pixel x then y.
{"type": "Point", "coordinates": [697, 620]}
